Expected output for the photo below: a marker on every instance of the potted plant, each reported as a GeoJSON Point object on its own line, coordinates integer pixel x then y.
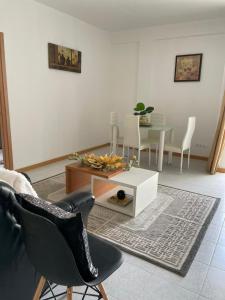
{"type": "Point", "coordinates": [142, 111]}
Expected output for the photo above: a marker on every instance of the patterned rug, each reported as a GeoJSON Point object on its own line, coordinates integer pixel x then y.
{"type": "Point", "coordinates": [167, 233]}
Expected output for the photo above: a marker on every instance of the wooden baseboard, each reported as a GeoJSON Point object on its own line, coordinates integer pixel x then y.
{"type": "Point", "coordinates": [193, 156]}
{"type": "Point", "coordinates": [60, 158]}
{"type": "Point", "coordinates": [220, 170]}
{"type": "Point", "coordinates": [57, 159]}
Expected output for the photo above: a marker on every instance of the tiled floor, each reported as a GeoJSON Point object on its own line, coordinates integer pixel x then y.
{"type": "Point", "coordinates": [139, 280]}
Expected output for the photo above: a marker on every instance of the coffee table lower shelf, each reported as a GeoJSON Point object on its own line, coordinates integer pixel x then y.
{"type": "Point", "coordinates": [139, 183]}
{"type": "Point", "coordinates": [103, 201]}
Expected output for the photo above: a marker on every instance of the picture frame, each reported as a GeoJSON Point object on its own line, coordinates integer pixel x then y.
{"type": "Point", "coordinates": [188, 67]}
{"type": "Point", "coordinates": [63, 58]}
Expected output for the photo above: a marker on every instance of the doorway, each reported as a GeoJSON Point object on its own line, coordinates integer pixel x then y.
{"type": "Point", "coordinates": [5, 133]}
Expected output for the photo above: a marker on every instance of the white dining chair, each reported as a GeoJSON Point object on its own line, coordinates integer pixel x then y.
{"type": "Point", "coordinates": [115, 139]}
{"type": "Point", "coordinates": [132, 137]}
{"type": "Point", "coordinates": [157, 119]}
{"type": "Point", "coordinates": [186, 142]}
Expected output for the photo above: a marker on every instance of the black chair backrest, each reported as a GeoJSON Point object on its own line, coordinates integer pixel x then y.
{"type": "Point", "coordinates": [47, 248]}
{"type": "Point", "coordinates": [10, 233]}
{"type": "Point", "coordinates": [18, 277]}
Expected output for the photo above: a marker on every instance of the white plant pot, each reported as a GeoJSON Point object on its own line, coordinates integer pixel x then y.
{"type": "Point", "coordinates": [144, 119]}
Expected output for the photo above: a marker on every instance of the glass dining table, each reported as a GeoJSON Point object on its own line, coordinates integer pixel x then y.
{"type": "Point", "coordinates": [162, 129]}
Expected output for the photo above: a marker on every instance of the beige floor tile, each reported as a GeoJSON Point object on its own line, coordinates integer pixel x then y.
{"type": "Point", "coordinates": [205, 252]}
{"type": "Point", "coordinates": [214, 287]}
{"type": "Point", "coordinates": [218, 260]}
{"type": "Point", "coordinates": [212, 233]}
{"type": "Point", "coordinates": [221, 240]}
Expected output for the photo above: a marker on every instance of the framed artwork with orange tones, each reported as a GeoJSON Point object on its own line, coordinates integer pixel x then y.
{"type": "Point", "coordinates": [188, 67]}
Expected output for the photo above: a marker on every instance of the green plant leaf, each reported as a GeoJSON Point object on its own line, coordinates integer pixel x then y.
{"type": "Point", "coordinates": [149, 109]}
{"type": "Point", "coordinates": [143, 112]}
{"type": "Point", "coordinates": [140, 106]}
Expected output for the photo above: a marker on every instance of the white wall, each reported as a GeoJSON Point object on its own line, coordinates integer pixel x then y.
{"type": "Point", "coordinates": [53, 112]}
{"type": "Point", "coordinates": [158, 47]}
{"type": "Point", "coordinates": [124, 78]}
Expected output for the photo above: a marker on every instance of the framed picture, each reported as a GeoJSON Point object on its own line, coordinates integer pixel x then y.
{"type": "Point", "coordinates": [63, 58]}
{"type": "Point", "coordinates": [188, 67]}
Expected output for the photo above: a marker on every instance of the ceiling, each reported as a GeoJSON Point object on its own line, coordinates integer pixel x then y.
{"type": "Point", "coordinates": [115, 15]}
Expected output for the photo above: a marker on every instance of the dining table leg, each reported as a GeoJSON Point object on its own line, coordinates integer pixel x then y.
{"type": "Point", "coordinates": [161, 149]}
{"type": "Point", "coordinates": [170, 154]}
{"type": "Point", "coordinates": [114, 139]}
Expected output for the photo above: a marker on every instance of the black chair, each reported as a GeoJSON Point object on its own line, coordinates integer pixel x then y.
{"type": "Point", "coordinates": [18, 277]}
{"type": "Point", "coordinates": [53, 258]}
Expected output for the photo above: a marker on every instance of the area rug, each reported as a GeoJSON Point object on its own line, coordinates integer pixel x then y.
{"type": "Point", "coordinates": [167, 233]}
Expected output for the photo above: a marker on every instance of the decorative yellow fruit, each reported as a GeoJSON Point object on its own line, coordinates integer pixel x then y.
{"type": "Point", "coordinates": [105, 162]}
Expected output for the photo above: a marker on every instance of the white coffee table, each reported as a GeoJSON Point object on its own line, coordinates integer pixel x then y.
{"type": "Point", "coordinates": [141, 184]}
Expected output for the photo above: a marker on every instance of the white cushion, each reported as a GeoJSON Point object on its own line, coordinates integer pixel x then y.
{"type": "Point", "coordinates": [18, 181]}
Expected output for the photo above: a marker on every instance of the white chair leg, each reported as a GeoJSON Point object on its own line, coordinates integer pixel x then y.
{"type": "Point", "coordinates": [181, 161]}
{"type": "Point", "coordinates": [123, 150]}
{"type": "Point", "coordinates": [111, 141]}
{"type": "Point", "coordinates": [156, 153]}
{"type": "Point", "coordinates": [117, 141]}
{"type": "Point", "coordinates": [170, 157]}
{"type": "Point", "coordinates": [189, 152]}
{"type": "Point", "coordinates": [139, 157]}
{"type": "Point", "coordinates": [149, 157]}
